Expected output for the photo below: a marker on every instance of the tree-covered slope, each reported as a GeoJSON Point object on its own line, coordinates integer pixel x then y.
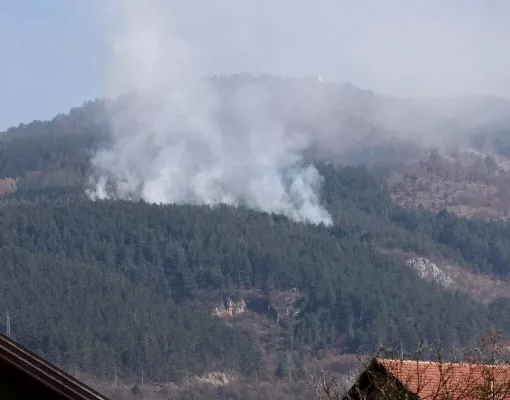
{"type": "Point", "coordinates": [95, 265]}
{"type": "Point", "coordinates": [93, 318]}
{"type": "Point", "coordinates": [117, 285]}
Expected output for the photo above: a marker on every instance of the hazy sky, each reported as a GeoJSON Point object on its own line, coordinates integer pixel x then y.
{"type": "Point", "coordinates": [54, 54]}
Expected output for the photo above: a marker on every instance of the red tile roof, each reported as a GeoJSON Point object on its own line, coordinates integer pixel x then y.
{"type": "Point", "coordinates": [453, 381]}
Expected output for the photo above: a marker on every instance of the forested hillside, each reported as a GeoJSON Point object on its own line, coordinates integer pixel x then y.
{"type": "Point", "coordinates": [351, 291]}
{"type": "Point", "coordinates": [117, 285]}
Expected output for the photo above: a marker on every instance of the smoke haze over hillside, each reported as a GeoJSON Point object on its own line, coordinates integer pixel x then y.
{"type": "Point", "coordinates": [184, 139]}
{"type": "Point", "coordinates": [398, 48]}
{"type": "Point", "coordinates": [423, 48]}
{"type": "Point", "coordinates": [168, 144]}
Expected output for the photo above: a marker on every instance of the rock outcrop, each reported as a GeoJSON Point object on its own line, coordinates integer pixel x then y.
{"type": "Point", "coordinates": [429, 271]}
{"type": "Point", "coordinates": [231, 307]}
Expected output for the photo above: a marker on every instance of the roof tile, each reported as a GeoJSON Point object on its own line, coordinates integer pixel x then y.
{"type": "Point", "coordinates": [453, 381]}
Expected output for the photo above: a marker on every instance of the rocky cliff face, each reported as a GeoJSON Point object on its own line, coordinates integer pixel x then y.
{"type": "Point", "coordinates": [284, 305]}
{"type": "Point", "coordinates": [280, 308]}
{"type": "Point", "coordinates": [231, 307]}
{"type": "Point", "coordinates": [430, 271]}
{"type": "Point", "coordinates": [452, 277]}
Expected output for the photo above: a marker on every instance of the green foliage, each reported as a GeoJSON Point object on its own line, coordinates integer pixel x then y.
{"type": "Point", "coordinates": [173, 251]}
{"type": "Point", "coordinates": [484, 246]}
{"type": "Point", "coordinates": [112, 283]}
{"type": "Point", "coordinates": [91, 316]}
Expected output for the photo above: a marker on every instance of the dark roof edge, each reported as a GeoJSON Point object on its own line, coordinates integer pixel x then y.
{"type": "Point", "coordinates": [45, 372]}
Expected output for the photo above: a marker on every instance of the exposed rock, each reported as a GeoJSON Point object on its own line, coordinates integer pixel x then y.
{"type": "Point", "coordinates": [231, 307]}
{"type": "Point", "coordinates": [430, 271]}
{"type": "Point", "coordinates": [285, 304]}
{"type": "Point", "coordinates": [279, 308]}
{"type": "Point", "coordinates": [454, 277]}
{"type": "Point", "coordinates": [215, 379]}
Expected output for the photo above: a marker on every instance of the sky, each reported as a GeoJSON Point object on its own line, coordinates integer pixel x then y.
{"type": "Point", "coordinates": [56, 54]}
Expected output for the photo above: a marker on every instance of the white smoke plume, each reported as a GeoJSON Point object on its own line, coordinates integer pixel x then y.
{"type": "Point", "coordinates": [177, 140]}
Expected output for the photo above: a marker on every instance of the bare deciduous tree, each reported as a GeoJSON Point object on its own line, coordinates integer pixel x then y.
{"type": "Point", "coordinates": [483, 373]}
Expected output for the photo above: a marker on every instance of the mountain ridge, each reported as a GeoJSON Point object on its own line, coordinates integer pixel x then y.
{"type": "Point", "coordinates": [172, 264]}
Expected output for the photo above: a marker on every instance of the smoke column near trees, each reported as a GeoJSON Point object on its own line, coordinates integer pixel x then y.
{"type": "Point", "coordinates": [172, 139]}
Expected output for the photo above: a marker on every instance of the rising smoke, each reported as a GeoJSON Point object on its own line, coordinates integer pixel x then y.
{"type": "Point", "coordinates": [177, 140]}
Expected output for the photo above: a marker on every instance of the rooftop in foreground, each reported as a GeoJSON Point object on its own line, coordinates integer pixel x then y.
{"type": "Point", "coordinates": [412, 379]}
{"type": "Point", "coordinates": [25, 375]}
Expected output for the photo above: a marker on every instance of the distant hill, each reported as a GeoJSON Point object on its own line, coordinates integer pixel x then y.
{"type": "Point", "coordinates": [106, 286]}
